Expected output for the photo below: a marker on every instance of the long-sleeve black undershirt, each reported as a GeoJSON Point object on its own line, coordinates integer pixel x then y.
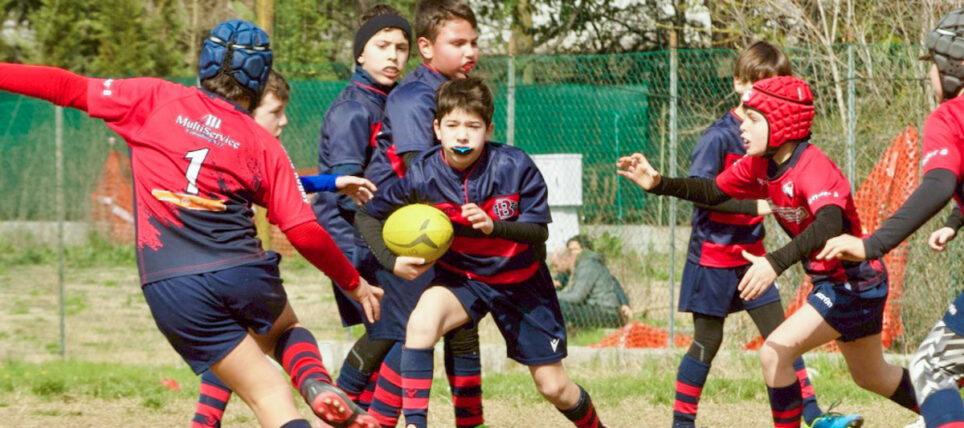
{"type": "Point", "coordinates": [955, 220]}
{"type": "Point", "coordinates": [828, 221]}
{"type": "Point", "coordinates": [929, 198]}
{"type": "Point", "coordinates": [530, 233]}
{"type": "Point", "coordinates": [696, 189]}
{"type": "Point", "coordinates": [733, 206]}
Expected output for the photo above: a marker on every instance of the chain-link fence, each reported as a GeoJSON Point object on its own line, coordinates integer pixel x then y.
{"type": "Point", "coordinates": [599, 107]}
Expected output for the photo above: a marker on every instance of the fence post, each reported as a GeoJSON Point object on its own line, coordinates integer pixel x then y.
{"type": "Point", "coordinates": [510, 102]}
{"type": "Point", "coordinates": [851, 119]}
{"type": "Point", "coordinates": [673, 136]}
{"type": "Point", "coordinates": [619, 193]}
{"type": "Point", "coordinates": [61, 217]}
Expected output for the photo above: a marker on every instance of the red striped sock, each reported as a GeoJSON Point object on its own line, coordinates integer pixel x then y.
{"type": "Point", "coordinates": [465, 380]}
{"type": "Point", "coordinates": [417, 367]}
{"type": "Point", "coordinates": [690, 378]}
{"type": "Point", "coordinates": [811, 411]}
{"type": "Point", "coordinates": [387, 401]}
{"type": "Point", "coordinates": [786, 405]}
{"type": "Point", "coordinates": [365, 398]}
{"type": "Point", "coordinates": [211, 402]}
{"type": "Point", "coordinates": [297, 351]}
{"type": "Point", "coordinates": [583, 414]}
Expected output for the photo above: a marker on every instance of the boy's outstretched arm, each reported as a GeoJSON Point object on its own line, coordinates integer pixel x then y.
{"type": "Point", "coordinates": [932, 194]}
{"type": "Point", "coordinates": [52, 84]}
{"type": "Point", "coordinates": [701, 190]}
{"type": "Point", "coordinates": [940, 237]}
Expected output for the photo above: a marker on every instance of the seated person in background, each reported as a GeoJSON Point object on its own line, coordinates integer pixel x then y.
{"type": "Point", "coordinates": [560, 275]}
{"type": "Point", "coordinates": [593, 297]}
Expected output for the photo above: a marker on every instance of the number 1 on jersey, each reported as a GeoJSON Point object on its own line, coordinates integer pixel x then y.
{"type": "Point", "coordinates": [194, 169]}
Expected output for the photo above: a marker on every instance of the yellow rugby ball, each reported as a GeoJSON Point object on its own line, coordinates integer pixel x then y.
{"type": "Point", "coordinates": [418, 230]}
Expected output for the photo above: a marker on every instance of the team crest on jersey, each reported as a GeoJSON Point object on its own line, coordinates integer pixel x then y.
{"type": "Point", "coordinates": [788, 189]}
{"type": "Point", "coordinates": [505, 208]}
{"type": "Point", "coordinates": [790, 214]}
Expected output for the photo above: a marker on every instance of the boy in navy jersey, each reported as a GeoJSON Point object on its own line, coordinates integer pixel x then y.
{"type": "Point", "coordinates": [714, 263]}
{"type": "Point", "coordinates": [811, 200]}
{"type": "Point", "coordinates": [447, 38]}
{"type": "Point", "coordinates": [345, 147]}
{"type": "Point", "coordinates": [199, 162]}
{"type": "Point", "coordinates": [937, 368]}
{"type": "Point", "coordinates": [497, 201]}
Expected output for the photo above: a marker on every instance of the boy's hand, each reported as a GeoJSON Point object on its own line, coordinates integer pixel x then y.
{"type": "Point", "coordinates": [359, 189]}
{"type": "Point", "coordinates": [410, 267]}
{"type": "Point", "coordinates": [626, 312]}
{"type": "Point", "coordinates": [757, 278]}
{"type": "Point", "coordinates": [763, 207]}
{"type": "Point", "coordinates": [847, 247]}
{"type": "Point", "coordinates": [939, 239]}
{"type": "Point", "coordinates": [479, 219]}
{"type": "Point", "coordinates": [637, 168]}
{"type": "Point", "coordinates": [369, 297]}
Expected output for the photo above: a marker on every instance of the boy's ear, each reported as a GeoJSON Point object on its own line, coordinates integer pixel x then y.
{"type": "Point", "coordinates": [438, 129]}
{"type": "Point", "coordinates": [425, 48]}
{"type": "Point", "coordinates": [489, 131]}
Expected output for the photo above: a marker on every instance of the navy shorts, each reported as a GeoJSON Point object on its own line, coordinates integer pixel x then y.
{"type": "Point", "coordinates": [526, 313]}
{"type": "Point", "coordinates": [854, 314]}
{"type": "Point", "coordinates": [712, 291]}
{"type": "Point", "coordinates": [364, 262]}
{"type": "Point", "coordinates": [204, 316]}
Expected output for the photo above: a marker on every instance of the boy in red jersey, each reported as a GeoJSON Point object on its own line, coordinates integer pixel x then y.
{"type": "Point", "coordinates": [714, 264]}
{"type": "Point", "coordinates": [271, 115]}
{"type": "Point", "coordinates": [199, 162]}
{"type": "Point", "coordinates": [811, 200]}
{"type": "Point", "coordinates": [938, 366]}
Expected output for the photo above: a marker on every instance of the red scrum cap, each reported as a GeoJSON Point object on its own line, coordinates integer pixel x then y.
{"type": "Point", "coordinates": [787, 104]}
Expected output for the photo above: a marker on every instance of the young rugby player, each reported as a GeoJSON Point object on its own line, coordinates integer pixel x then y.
{"type": "Point", "coordinates": [938, 366]}
{"type": "Point", "coordinates": [446, 37]}
{"type": "Point", "coordinates": [199, 162]}
{"type": "Point", "coordinates": [271, 115]}
{"type": "Point", "coordinates": [811, 200]}
{"type": "Point", "coordinates": [497, 201]}
{"type": "Point", "coordinates": [714, 263]}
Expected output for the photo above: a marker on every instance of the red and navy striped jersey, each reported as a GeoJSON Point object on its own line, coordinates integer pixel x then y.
{"type": "Point", "coordinates": [943, 146]}
{"type": "Point", "coordinates": [718, 239]}
{"type": "Point", "coordinates": [504, 182]}
{"type": "Point", "coordinates": [808, 182]}
{"type": "Point", "coordinates": [346, 146]}
{"type": "Point", "coordinates": [406, 126]}
{"type": "Point", "coordinates": [198, 163]}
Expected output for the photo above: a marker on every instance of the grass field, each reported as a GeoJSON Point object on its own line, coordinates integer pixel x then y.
{"type": "Point", "coordinates": [117, 360]}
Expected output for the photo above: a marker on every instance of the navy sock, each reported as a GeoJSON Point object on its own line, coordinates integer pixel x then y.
{"type": "Point", "coordinates": [904, 394]}
{"type": "Point", "coordinates": [811, 410]}
{"type": "Point", "coordinates": [583, 414]}
{"type": "Point", "coordinates": [464, 372]}
{"type": "Point", "coordinates": [352, 381]}
{"type": "Point", "coordinates": [387, 400]}
{"type": "Point", "coordinates": [690, 379]}
{"type": "Point", "coordinates": [211, 402]}
{"type": "Point", "coordinates": [417, 367]}
{"type": "Point", "coordinates": [786, 405]}
{"type": "Point", "coordinates": [297, 423]}
{"type": "Point", "coordinates": [944, 406]}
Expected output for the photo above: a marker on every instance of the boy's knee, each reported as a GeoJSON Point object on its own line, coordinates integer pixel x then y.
{"type": "Point", "coordinates": [551, 388]}
{"type": "Point", "coordinates": [773, 356]}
